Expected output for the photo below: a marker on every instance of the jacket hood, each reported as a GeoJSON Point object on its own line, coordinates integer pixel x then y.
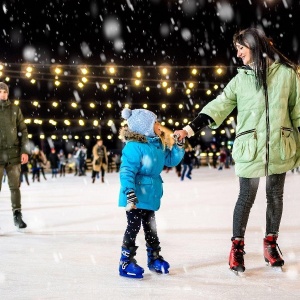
{"type": "Point", "coordinates": [272, 68]}
{"type": "Point", "coordinates": [166, 139]}
{"type": "Point", "coordinates": [127, 135]}
{"type": "Point", "coordinates": [5, 103]}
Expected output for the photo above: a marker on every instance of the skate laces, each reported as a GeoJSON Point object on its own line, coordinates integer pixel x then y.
{"type": "Point", "coordinates": [158, 257]}
{"type": "Point", "coordinates": [133, 260]}
{"type": "Point", "coordinates": [273, 249]}
{"type": "Point", "coordinates": [154, 255]}
{"type": "Point", "coordinates": [238, 253]}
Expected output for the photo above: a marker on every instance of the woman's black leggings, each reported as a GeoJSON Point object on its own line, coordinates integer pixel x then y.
{"type": "Point", "coordinates": [248, 190]}
{"type": "Point", "coordinates": [135, 218]}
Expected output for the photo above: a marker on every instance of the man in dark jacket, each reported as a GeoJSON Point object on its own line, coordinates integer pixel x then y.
{"type": "Point", "coordinates": [14, 150]}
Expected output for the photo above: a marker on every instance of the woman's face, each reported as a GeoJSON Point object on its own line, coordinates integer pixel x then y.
{"type": "Point", "coordinates": [244, 53]}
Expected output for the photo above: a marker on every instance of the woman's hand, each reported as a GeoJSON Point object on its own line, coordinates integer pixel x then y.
{"type": "Point", "coordinates": [181, 134]}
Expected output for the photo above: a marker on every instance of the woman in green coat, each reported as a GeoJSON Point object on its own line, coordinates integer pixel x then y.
{"type": "Point", "coordinates": [266, 93]}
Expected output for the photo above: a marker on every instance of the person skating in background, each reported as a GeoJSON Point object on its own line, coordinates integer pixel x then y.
{"type": "Point", "coordinates": [178, 169]}
{"type": "Point", "coordinates": [143, 158]}
{"type": "Point", "coordinates": [100, 160]}
{"type": "Point", "coordinates": [76, 160]}
{"type": "Point", "coordinates": [214, 150]}
{"type": "Point", "coordinates": [110, 159]}
{"type": "Point", "coordinates": [54, 162]}
{"type": "Point", "coordinates": [222, 159]}
{"type": "Point", "coordinates": [266, 93]}
{"type": "Point", "coordinates": [14, 150]}
{"type": "Point", "coordinates": [43, 163]}
{"type": "Point", "coordinates": [71, 163]}
{"type": "Point", "coordinates": [228, 161]}
{"type": "Point", "coordinates": [36, 160]}
{"type": "Point", "coordinates": [187, 162]}
{"type": "Point", "coordinates": [24, 173]}
{"type": "Point", "coordinates": [81, 156]}
{"type": "Point", "coordinates": [62, 163]}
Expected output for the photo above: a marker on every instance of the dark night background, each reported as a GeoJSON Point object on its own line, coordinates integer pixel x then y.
{"type": "Point", "coordinates": [130, 34]}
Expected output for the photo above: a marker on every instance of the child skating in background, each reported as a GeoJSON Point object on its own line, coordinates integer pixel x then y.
{"type": "Point", "coordinates": [143, 158]}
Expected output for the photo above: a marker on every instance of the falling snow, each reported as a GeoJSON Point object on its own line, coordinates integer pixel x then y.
{"type": "Point", "coordinates": [133, 33]}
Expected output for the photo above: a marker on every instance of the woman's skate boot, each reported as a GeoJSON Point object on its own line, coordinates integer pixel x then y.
{"type": "Point", "coordinates": [128, 266]}
{"type": "Point", "coordinates": [156, 262]}
{"type": "Point", "coordinates": [236, 255]}
{"type": "Point", "coordinates": [271, 253]}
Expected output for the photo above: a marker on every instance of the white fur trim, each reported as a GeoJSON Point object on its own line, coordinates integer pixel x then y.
{"type": "Point", "coordinates": [189, 131]}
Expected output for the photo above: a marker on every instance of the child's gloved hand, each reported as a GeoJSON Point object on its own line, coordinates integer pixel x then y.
{"type": "Point", "coordinates": [132, 200]}
{"type": "Point", "coordinates": [178, 143]}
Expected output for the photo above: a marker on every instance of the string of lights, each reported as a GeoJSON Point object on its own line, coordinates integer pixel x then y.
{"type": "Point", "coordinates": [98, 109]}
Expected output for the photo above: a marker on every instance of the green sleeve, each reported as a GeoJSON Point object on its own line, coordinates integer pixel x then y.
{"type": "Point", "coordinates": [219, 108]}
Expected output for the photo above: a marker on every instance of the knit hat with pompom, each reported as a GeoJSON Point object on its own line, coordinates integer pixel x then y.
{"type": "Point", "coordinates": [140, 121]}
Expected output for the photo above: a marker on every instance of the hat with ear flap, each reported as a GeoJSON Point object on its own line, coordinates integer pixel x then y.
{"type": "Point", "coordinates": [4, 86]}
{"type": "Point", "coordinates": [140, 120]}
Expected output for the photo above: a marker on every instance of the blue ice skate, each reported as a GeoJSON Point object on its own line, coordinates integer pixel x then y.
{"type": "Point", "coordinates": [156, 262]}
{"type": "Point", "coordinates": [128, 266]}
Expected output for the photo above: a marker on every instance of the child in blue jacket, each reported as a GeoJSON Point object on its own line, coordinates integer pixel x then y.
{"type": "Point", "coordinates": [143, 158]}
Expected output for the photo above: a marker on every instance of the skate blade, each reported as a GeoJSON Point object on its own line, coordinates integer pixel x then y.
{"type": "Point", "coordinates": [22, 230]}
{"type": "Point", "coordinates": [162, 271]}
{"type": "Point", "coordinates": [132, 275]}
{"type": "Point", "coordinates": [278, 269]}
{"type": "Point", "coordinates": [159, 272]}
{"type": "Point", "coordinates": [238, 273]}
{"type": "Point", "coordinates": [275, 268]}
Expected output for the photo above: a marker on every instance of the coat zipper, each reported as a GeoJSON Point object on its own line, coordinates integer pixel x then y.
{"type": "Point", "coordinates": [267, 133]}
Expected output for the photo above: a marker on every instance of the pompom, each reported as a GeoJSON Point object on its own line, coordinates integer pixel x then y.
{"type": "Point", "coordinates": [126, 113]}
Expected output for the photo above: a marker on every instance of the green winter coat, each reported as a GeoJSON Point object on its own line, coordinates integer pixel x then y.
{"type": "Point", "coordinates": [13, 134]}
{"type": "Point", "coordinates": [267, 137]}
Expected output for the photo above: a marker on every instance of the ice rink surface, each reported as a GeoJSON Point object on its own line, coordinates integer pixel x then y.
{"type": "Point", "coordinates": [71, 248]}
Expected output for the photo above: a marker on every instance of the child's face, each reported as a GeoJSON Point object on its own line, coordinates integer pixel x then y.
{"type": "Point", "coordinates": [157, 129]}
{"type": "Point", "coordinates": [3, 95]}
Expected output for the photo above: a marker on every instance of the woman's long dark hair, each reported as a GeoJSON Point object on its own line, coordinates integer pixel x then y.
{"type": "Point", "coordinates": [262, 49]}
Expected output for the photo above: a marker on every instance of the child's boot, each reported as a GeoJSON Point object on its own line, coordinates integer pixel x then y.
{"type": "Point", "coordinates": [128, 266]}
{"type": "Point", "coordinates": [236, 255]}
{"type": "Point", "coordinates": [156, 262]}
{"type": "Point", "coordinates": [271, 253]}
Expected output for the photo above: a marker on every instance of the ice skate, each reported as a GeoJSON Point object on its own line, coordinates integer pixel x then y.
{"type": "Point", "coordinates": [236, 256]}
{"type": "Point", "coordinates": [128, 266]}
{"type": "Point", "coordinates": [156, 262]}
{"type": "Point", "coordinates": [271, 254]}
{"type": "Point", "coordinates": [19, 223]}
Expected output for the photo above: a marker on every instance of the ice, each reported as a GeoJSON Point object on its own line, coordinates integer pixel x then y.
{"type": "Point", "coordinates": [72, 245]}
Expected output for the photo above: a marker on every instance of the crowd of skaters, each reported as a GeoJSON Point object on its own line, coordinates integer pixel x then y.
{"type": "Point", "coordinates": [214, 157]}
{"type": "Point", "coordinates": [60, 163]}
{"type": "Point", "coordinates": [104, 161]}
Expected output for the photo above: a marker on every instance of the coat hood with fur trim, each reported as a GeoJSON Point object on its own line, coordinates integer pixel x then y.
{"type": "Point", "coordinates": [127, 135]}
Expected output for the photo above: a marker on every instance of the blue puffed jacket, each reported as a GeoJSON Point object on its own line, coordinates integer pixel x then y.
{"type": "Point", "coordinates": [143, 159]}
